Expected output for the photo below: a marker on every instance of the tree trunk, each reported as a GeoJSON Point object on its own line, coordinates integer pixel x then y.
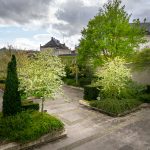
{"type": "Point", "coordinates": [76, 75]}
{"type": "Point", "coordinates": [42, 107]}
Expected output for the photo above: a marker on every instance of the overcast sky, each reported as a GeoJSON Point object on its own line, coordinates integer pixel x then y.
{"type": "Point", "coordinates": [26, 24]}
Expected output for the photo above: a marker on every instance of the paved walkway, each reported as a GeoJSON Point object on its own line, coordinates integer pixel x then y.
{"type": "Point", "coordinates": [90, 130]}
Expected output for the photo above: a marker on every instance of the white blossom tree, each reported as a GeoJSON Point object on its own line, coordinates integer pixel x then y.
{"type": "Point", "coordinates": [114, 77]}
{"type": "Point", "coordinates": [41, 76]}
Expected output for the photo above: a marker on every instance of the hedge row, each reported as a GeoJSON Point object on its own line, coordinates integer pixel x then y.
{"type": "Point", "coordinates": [91, 92]}
{"type": "Point", "coordinates": [29, 105]}
{"type": "Point", "coordinates": [2, 81]}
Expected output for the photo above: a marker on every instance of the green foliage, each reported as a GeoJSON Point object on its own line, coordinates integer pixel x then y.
{"type": "Point", "coordinates": [148, 89]}
{"type": "Point", "coordinates": [145, 98]}
{"type": "Point", "coordinates": [85, 81]}
{"type": "Point", "coordinates": [91, 92]}
{"type": "Point", "coordinates": [2, 86]}
{"type": "Point", "coordinates": [29, 105]}
{"type": "Point", "coordinates": [70, 82]}
{"type": "Point", "coordinates": [42, 75]}
{"type": "Point", "coordinates": [142, 59]}
{"type": "Point", "coordinates": [109, 34]}
{"type": "Point", "coordinates": [114, 77]}
{"type": "Point", "coordinates": [115, 106]}
{"type": "Point", "coordinates": [2, 81]}
{"type": "Point", "coordinates": [11, 97]}
{"type": "Point", "coordinates": [28, 126]}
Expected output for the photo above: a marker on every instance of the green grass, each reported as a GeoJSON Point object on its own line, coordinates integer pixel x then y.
{"type": "Point", "coordinates": [114, 106]}
{"type": "Point", "coordinates": [28, 126]}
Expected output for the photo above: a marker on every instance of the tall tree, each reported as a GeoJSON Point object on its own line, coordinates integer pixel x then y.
{"type": "Point", "coordinates": [109, 34]}
{"type": "Point", "coordinates": [11, 98]}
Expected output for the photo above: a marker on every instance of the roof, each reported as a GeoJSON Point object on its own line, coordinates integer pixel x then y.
{"type": "Point", "coordinates": [54, 43]}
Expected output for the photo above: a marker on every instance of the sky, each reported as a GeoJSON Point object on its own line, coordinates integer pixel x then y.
{"type": "Point", "coordinates": [25, 24]}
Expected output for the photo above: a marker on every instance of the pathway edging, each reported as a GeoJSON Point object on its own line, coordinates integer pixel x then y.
{"type": "Point", "coordinates": [41, 141]}
{"type": "Point", "coordinates": [86, 104]}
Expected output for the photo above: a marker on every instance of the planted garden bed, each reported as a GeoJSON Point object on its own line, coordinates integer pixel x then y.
{"type": "Point", "coordinates": [114, 108]}
{"type": "Point", "coordinates": [28, 126]}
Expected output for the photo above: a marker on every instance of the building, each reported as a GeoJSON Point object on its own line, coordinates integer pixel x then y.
{"type": "Point", "coordinates": [56, 46]}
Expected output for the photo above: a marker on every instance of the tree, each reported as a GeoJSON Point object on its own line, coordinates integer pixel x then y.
{"type": "Point", "coordinates": [11, 98]}
{"type": "Point", "coordinates": [109, 34]}
{"type": "Point", "coordinates": [114, 77]}
{"type": "Point", "coordinates": [41, 76]}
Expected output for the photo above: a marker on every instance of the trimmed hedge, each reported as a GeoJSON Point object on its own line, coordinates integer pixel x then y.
{"type": "Point", "coordinates": [29, 105]}
{"type": "Point", "coordinates": [2, 81]}
{"type": "Point", "coordinates": [91, 92]}
{"type": "Point", "coordinates": [11, 97]}
{"type": "Point", "coordinates": [145, 98]}
{"type": "Point", "coordinates": [148, 89]}
{"type": "Point", "coordinates": [84, 81]}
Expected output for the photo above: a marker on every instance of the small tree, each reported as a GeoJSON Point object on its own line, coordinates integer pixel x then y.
{"type": "Point", "coordinates": [109, 34]}
{"type": "Point", "coordinates": [114, 78]}
{"type": "Point", "coordinates": [41, 76]}
{"type": "Point", "coordinates": [11, 98]}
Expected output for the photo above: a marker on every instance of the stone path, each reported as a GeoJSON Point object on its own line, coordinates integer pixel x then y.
{"type": "Point", "coordinates": [91, 130]}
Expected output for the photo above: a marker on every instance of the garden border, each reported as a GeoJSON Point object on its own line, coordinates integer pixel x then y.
{"type": "Point", "coordinates": [41, 141]}
{"type": "Point", "coordinates": [86, 104]}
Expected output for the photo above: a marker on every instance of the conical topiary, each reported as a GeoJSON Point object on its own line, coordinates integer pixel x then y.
{"type": "Point", "coordinates": [11, 97]}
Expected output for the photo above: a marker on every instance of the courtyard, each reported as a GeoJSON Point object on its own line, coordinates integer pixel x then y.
{"type": "Point", "coordinates": [91, 130]}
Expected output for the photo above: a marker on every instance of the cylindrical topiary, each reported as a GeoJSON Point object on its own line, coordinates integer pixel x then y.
{"type": "Point", "coordinates": [11, 97]}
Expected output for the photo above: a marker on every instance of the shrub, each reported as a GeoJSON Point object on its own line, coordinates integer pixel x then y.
{"type": "Point", "coordinates": [29, 105]}
{"type": "Point", "coordinates": [114, 78]}
{"type": "Point", "coordinates": [11, 97]}
{"type": "Point", "coordinates": [29, 125]}
{"type": "Point", "coordinates": [91, 92]}
{"type": "Point", "coordinates": [148, 89]}
{"type": "Point", "coordinates": [115, 106]}
{"type": "Point", "coordinates": [2, 81]}
{"type": "Point", "coordinates": [84, 81]}
{"type": "Point", "coordinates": [145, 98]}
{"type": "Point", "coordinates": [70, 82]}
